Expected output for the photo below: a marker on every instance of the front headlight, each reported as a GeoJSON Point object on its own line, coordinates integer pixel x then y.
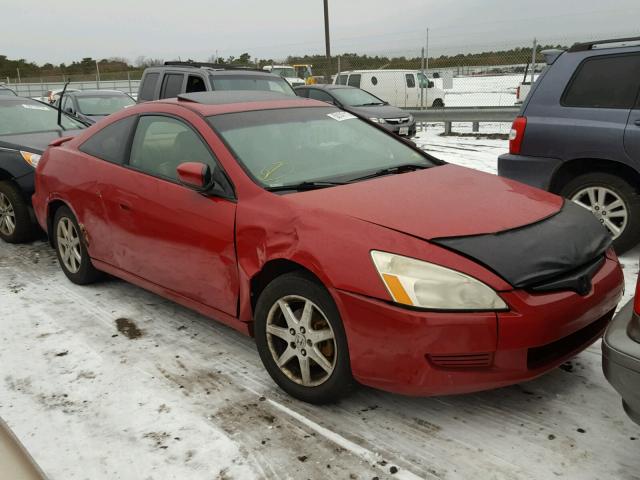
{"type": "Point", "coordinates": [377, 120]}
{"type": "Point", "coordinates": [31, 158]}
{"type": "Point", "coordinates": [424, 285]}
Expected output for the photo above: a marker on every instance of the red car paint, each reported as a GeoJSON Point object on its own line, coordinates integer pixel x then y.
{"type": "Point", "coordinates": [203, 252]}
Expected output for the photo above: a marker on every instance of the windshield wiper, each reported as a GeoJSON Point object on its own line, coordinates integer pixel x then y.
{"type": "Point", "coordinates": [370, 104]}
{"type": "Point", "coordinates": [304, 186]}
{"type": "Point", "coordinates": [409, 167]}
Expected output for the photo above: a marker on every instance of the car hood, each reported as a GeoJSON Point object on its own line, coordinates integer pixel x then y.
{"type": "Point", "coordinates": [531, 238]}
{"type": "Point", "coordinates": [380, 111]}
{"type": "Point", "coordinates": [445, 201]}
{"type": "Point", "coordinates": [34, 142]}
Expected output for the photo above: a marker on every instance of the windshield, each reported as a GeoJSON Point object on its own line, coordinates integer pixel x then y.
{"type": "Point", "coordinates": [251, 82]}
{"type": "Point", "coordinates": [287, 72]}
{"type": "Point", "coordinates": [354, 97]}
{"type": "Point", "coordinates": [290, 146]}
{"type": "Point", "coordinates": [30, 117]}
{"type": "Point", "coordinates": [102, 104]}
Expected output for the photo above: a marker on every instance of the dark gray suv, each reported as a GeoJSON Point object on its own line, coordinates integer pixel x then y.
{"type": "Point", "coordinates": [578, 133]}
{"type": "Point", "coordinates": [175, 78]}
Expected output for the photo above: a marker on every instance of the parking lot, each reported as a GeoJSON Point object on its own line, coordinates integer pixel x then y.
{"type": "Point", "coordinates": [110, 381]}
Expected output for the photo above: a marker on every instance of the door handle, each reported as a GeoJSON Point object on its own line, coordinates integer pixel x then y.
{"type": "Point", "coordinates": [637, 123]}
{"type": "Point", "coordinates": [125, 206]}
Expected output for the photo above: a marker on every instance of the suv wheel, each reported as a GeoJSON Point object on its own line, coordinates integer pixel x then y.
{"type": "Point", "coordinates": [16, 225]}
{"type": "Point", "coordinates": [613, 201]}
{"type": "Point", "coordinates": [301, 339]}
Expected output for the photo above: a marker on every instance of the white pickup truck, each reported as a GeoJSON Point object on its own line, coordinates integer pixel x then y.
{"type": "Point", "coordinates": [287, 72]}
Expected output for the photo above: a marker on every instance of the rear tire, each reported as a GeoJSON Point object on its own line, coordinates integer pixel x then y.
{"type": "Point", "coordinates": [613, 201]}
{"type": "Point", "coordinates": [16, 221]}
{"type": "Point", "coordinates": [301, 339]}
{"type": "Point", "coordinates": [71, 249]}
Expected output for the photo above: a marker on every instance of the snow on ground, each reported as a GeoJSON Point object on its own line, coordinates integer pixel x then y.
{"type": "Point", "coordinates": [111, 382]}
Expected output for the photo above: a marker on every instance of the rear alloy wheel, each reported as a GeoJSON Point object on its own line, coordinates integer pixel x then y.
{"type": "Point", "coordinates": [16, 225]}
{"type": "Point", "coordinates": [613, 202]}
{"type": "Point", "coordinates": [71, 250]}
{"type": "Point", "coordinates": [301, 340]}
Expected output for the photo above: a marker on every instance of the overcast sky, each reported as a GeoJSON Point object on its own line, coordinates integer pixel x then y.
{"type": "Point", "coordinates": [42, 30]}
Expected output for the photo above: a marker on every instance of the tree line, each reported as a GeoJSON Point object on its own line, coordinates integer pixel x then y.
{"type": "Point", "coordinates": [87, 66]}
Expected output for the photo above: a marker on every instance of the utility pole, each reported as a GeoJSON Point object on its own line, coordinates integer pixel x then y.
{"type": "Point", "coordinates": [18, 70]}
{"type": "Point", "coordinates": [97, 76]}
{"type": "Point", "coordinates": [426, 70]}
{"type": "Point", "coordinates": [533, 59]}
{"type": "Point", "coordinates": [327, 42]}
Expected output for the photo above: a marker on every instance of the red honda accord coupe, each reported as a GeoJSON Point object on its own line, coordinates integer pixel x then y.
{"type": "Point", "coordinates": [348, 253]}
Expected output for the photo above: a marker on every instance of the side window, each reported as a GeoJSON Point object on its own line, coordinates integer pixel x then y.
{"type": "Point", "coordinates": [148, 87]}
{"type": "Point", "coordinates": [411, 80]}
{"type": "Point", "coordinates": [320, 95]}
{"type": "Point", "coordinates": [302, 92]}
{"type": "Point", "coordinates": [171, 85]}
{"type": "Point", "coordinates": [354, 80]}
{"type": "Point", "coordinates": [162, 143]}
{"type": "Point", "coordinates": [111, 142]}
{"type": "Point", "coordinates": [342, 79]}
{"type": "Point", "coordinates": [195, 83]}
{"type": "Point", "coordinates": [605, 82]}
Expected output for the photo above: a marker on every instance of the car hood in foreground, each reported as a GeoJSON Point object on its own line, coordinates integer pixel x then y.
{"type": "Point", "coordinates": [34, 142]}
{"type": "Point", "coordinates": [529, 237]}
{"type": "Point", "coordinates": [444, 201]}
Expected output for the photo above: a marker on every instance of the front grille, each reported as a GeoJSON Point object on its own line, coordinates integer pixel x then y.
{"type": "Point", "coordinates": [397, 121]}
{"type": "Point", "coordinates": [540, 356]}
{"type": "Point", "coordinates": [475, 360]}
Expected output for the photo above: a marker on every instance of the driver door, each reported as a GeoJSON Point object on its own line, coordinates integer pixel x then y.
{"type": "Point", "coordinates": [166, 233]}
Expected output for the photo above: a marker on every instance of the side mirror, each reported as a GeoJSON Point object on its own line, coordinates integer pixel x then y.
{"type": "Point", "coordinates": [430, 84]}
{"type": "Point", "coordinates": [194, 175]}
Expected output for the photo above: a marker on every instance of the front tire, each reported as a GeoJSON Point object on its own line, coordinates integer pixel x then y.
{"type": "Point", "coordinates": [613, 201]}
{"type": "Point", "coordinates": [438, 103]}
{"type": "Point", "coordinates": [16, 224]}
{"type": "Point", "coordinates": [301, 339]}
{"type": "Point", "coordinates": [71, 249]}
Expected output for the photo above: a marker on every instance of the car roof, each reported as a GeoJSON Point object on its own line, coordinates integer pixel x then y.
{"type": "Point", "coordinates": [16, 99]}
{"type": "Point", "coordinates": [231, 101]}
{"type": "Point", "coordinates": [95, 93]}
{"type": "Point", "coordinates": [211, 70]}
{"type": "Point", "coordinates": [382, 70]}
{"type": "Point", "coordinates": [328, 86]}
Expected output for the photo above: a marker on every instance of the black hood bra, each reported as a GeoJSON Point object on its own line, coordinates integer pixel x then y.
{"type": "Point", "coordinates": [561, 252]}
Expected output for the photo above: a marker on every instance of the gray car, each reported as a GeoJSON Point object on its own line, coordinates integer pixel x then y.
{"type": "Point", "coordinates": [362, 103]}
{"type": "Point", "coordinates": [578, 133]}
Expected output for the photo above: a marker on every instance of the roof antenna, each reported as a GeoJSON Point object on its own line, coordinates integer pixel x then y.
{"type": "Point", "coordinates": [60, 105]}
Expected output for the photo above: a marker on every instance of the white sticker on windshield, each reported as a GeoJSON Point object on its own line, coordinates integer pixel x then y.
{"type": "Point", "coordinates": [35, 107]}
{"type": "Point", "coordinates": [340, 116]}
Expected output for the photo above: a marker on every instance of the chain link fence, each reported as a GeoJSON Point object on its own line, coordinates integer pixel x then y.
{"type": "Point", "coordinates": [494, 75]}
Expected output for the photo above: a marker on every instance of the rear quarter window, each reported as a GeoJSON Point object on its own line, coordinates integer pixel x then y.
{"type": "Point", "coordinates": [148, 87]}
{"type": "Point", "coordinates": [610, 81]}
{"type": "Point", "coordinates": [112, 142]}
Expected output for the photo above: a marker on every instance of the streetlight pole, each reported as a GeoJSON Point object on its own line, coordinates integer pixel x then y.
{"type": "Point", "coordinates": [327, 42]}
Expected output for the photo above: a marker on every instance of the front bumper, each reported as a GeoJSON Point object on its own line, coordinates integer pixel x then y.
{"type": "Point", "coordinates": [535, 171]}
{"type": "Point", "coordinates": [621, 361]}
{"type": "Point", "coordinates": [437, 353]}
{"type": "Point", "coordinates": [396, 128]}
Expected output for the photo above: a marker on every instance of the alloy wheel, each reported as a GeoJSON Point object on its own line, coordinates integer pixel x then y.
{"type": "Point", "coordinates": [301, 340]}
{"type": "Point", "coordinates": [7, 216]}
{"type": "Point", "coordinates": [606, 205]}
{"type": "Point", "coordinates": [68, 242]}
